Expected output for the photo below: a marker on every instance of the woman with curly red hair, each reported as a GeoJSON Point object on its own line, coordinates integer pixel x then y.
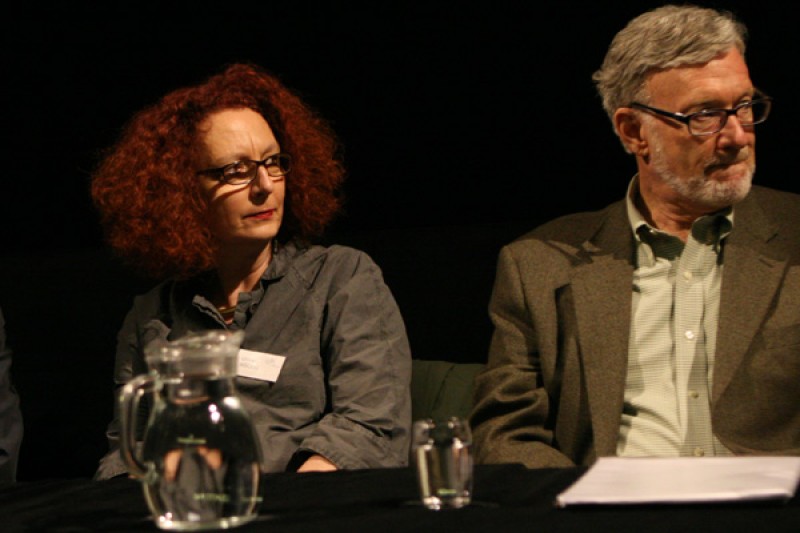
{"type": "Point", "coordinates": [217, 191]}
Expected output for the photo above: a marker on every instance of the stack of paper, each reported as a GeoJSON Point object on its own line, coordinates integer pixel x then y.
{"type": "Point", "coordinates": [616, 480]}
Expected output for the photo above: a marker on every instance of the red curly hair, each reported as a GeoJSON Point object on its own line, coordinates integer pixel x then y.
{"type": "Point", "coordinates": [146, 191]}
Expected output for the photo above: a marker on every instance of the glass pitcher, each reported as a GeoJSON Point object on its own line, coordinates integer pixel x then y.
{"type": "Point", "coordinates": [200, 460]}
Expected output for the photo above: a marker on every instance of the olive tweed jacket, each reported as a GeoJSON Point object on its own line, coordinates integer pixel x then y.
{"type": "Point", "coordinates": [552, 392]}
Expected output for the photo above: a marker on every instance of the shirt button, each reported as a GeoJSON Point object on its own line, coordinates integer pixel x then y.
{"type": "Point", "coordinates": [694, 394]}
{"type": "Point", "coordinates": [687, 276]}
{"type": "Point", "coordinates": [698, 452]}
{"type": "Point", "coordinates": [689, 334]}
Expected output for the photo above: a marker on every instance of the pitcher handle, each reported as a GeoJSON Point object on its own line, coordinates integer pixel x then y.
{"type": "Point", "coordinates": [129, 398]}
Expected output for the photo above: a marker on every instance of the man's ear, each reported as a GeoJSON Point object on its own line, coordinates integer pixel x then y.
{"type": "Point", "coordinates": [629, 126]}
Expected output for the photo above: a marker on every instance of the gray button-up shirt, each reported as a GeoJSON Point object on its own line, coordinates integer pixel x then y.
{"type": "Point", "coordinates": [343, 391]}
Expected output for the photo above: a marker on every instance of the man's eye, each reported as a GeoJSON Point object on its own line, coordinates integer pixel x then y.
{"type": "Point", "coordinates": [706, 116]}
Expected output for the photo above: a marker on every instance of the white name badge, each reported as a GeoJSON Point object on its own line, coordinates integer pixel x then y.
{"type": "Point", "coordinates": [259, 365]}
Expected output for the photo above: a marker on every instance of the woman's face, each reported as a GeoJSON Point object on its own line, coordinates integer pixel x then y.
{"type": "Point", "coordinates": [241, 214]}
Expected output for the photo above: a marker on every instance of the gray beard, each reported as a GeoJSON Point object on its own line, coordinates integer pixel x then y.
{"type": "Point", "coordinates": [701, 190]}
{"type": "Point", "coordinates": [714, 194]}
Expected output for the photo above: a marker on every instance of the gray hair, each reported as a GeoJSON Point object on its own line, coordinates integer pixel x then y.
{"type": "Point", "coordinates": [666, 37]}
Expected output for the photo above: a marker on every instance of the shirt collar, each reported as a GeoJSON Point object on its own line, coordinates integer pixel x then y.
{"type": "Point", "coordinates": [713, 227]}
{"type": "Point", "coordinates": [282, 256]}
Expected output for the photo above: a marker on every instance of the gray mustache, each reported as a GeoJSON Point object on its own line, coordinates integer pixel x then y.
{"type": "Point", "coordinates": [740, 157]}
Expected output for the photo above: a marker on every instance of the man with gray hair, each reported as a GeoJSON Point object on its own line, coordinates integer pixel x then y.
{"type": "Point", "coordinates": [668, 323]}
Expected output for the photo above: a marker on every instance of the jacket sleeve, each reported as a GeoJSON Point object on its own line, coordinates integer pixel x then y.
{"type": "Point", "coordinates": [512, 406]}
{"type": "Point", "coordinates": [10, 415]}
{"type": "Point", "coordinates": [128, 363]}
{"type": "Point", "coordinates": [368, 362]}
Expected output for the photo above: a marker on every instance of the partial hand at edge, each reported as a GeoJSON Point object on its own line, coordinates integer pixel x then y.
{"type": "Point", "coordinates": [317, 463]}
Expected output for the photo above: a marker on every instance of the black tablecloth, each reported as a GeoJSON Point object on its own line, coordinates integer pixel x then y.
{"type": "Point", "coordinates": [507, 498]}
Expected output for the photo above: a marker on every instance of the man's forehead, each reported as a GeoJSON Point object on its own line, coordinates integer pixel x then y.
{"type": "Point", "coordinates": [723, 78]}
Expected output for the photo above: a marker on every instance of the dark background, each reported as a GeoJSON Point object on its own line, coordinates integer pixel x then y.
{"type": "Point", "coordinates": [463, 124]}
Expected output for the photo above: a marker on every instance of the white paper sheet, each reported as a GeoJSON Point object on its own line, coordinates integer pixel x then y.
{"type": "Point", "coordinates": [616, 480]}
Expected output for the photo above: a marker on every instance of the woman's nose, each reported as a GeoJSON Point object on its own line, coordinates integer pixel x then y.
{"type": "Point", "coordinates": [262, 184]}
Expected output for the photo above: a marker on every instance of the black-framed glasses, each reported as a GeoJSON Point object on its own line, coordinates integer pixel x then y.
{"type": "Point", "coordinates": [244, 171]}
{"type": "Point", "coordinates": [713, 120]}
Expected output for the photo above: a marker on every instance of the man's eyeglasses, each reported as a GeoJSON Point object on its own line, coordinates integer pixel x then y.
{"type": "Point", "coordinates": [711, 121]}
{"type": "Point", "coordinates": [244, 171]}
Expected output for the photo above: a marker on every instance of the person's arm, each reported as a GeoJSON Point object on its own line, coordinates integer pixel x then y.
{"type": "Point", "coordinates": [512, 407]}
{"type": "Point", "coordinates": [10, 415]}
{"type": "Point", "coordinates": [128, 363]}
{"type": "Point", "coordinates": [368, 362]}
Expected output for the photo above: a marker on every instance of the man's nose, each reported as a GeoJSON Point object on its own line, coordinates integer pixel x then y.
{"type": "Point", "coordinates": [734, 134]}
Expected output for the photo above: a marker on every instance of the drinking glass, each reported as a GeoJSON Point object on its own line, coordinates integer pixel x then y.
{"type": "Point", "coordinates": [441, 452]}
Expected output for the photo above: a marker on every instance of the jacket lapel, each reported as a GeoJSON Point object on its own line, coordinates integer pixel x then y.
{"type": "Point", "coordinates": [601, 286]}
{"type": "Point", "coordinates": [754, 266]}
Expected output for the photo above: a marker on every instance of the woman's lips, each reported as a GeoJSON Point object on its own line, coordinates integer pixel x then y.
{"type": "Point", "coordinates": [262, 215]}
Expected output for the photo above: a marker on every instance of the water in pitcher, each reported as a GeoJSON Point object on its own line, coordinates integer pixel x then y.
{"type": "Point", "coordinates": [200, 451]}
{"type": "Point", "coordinates": [199, 462]}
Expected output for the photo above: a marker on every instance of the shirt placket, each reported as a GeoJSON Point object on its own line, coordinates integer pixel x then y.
{"type": "Point", "coordinates": [695, 267]}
